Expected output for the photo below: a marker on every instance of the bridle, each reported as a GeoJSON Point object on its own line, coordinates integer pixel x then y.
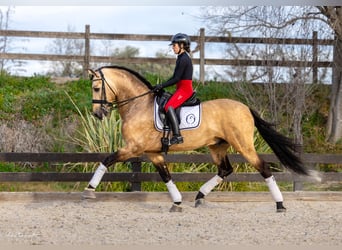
{"type": "Point", "coordinates": [115, 104]}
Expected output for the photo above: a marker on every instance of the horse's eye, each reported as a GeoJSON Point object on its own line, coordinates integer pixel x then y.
{"type": "Point", "coordinates": [96, 89]}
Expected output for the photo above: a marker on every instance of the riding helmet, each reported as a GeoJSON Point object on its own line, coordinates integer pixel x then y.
{"type": "Point", "coordinates": [181, 38]}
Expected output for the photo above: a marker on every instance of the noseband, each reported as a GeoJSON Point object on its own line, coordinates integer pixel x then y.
{"type": "Point", "coordinates": [103, 101]}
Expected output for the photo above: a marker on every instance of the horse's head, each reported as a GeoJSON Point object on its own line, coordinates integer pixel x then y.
{"type": "Point", "coordinates": [101, 102]}
{"type": "Point", "coordinates": [116, 85]}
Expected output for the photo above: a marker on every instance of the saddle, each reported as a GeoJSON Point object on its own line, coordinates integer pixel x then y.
{"type": "Point", "coordinates": [188, 115]}
{"type": "Point", "coordinates": [162, 99]}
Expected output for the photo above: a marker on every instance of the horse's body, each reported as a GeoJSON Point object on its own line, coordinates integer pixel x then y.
{"type": "Point", "coordinates": [224, 123]}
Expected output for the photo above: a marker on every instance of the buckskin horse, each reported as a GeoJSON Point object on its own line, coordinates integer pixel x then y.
{"type": "Point", "coordinates": [225, 123]}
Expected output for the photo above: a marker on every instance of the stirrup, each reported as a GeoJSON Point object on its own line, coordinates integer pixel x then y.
{"type": "Point", "coordinates": [176, 139]}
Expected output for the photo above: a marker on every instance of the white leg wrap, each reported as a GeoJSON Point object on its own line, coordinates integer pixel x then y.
{"type": "Point", "coordinates": [210, 185]}
{"type": "Point", "coordinates": [174, 192]}
{"type": "Point", "coordinates": [274, 189]}
{"type": "Point", "coordinates": [100, 171]}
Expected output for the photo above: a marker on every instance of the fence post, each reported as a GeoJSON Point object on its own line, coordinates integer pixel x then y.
{"type": "Point", "coordinates": [297, 186]}
{"type": "Point", "coordinates": [202, 56]}
{"type": "Point", "coordinates": [314, 57]}
{"type": "Point", "coordinates": [86, 51]}
{"type": "Point", "coordinates": [136, 168]}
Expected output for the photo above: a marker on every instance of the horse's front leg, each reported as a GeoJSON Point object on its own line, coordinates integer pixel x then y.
{"type": "Point", "coordinates": [131, 150]}
{"type": "Point", "coordinates": [89, 191]}
{"type": "Point", "coordinates": [159, 162]}
{"type": "Point", "coordinates": [224, 169]}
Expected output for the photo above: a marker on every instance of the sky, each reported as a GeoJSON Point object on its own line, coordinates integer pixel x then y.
{"type": "Point", "coordinates": [113, 19]}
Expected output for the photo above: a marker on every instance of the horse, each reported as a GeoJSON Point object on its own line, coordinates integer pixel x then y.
{"type": "Point", "coordinates": [225, 123]}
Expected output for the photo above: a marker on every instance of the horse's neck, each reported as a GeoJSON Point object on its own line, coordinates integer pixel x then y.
{"type": "Point", "coordinates": [126, 86]}
{"type": "Point", "coordinates": [136, 108]}
{"type": "Point", "coordinates": [131, 91]}
{"type": "Point", "coordinates": [134, 93]}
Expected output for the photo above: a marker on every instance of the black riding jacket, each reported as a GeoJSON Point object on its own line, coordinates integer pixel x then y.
{"type": "Point", "coordinates": [183, 70]}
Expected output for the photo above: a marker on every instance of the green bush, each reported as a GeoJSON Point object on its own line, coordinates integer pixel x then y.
{"type": "Point", "coordinates": [35, 97]}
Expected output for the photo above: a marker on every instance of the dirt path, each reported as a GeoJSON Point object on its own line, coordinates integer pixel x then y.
{"type": "Point", "coordinates": [149, 223]}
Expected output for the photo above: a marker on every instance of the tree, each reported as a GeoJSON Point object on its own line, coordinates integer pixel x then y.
{"type": "Point", "coordinates": [64, 46]}
{"type": "Point", "coordinates": [127, 52]}
{"type": "Point", "coordinates": [4, 23]}
{"type": "Point", "coordinates": [290, 21]}
{"type": "Point", "coordinates": [6, 43]}
{"type": "Point", "coordinates": [333, 17]}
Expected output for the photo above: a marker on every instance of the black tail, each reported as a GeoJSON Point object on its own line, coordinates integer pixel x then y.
{"type": "Point", "coordinates": [282, 146]}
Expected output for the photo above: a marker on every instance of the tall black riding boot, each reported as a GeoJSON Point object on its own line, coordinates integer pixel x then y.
{"type": "Point", "coordinates": [176, 136]}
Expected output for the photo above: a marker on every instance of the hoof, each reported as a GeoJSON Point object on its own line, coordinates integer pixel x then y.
{"type": "Point", "coordinates": [281, 210]}
{"type": "Point", "coordinates": [88, 193]}
{"type": "Point", "coordinates": [199, 202]}
{"type": "Point", "coordinates": [176, 208]}
{"type": "Point", "coordinates": [280, 207]}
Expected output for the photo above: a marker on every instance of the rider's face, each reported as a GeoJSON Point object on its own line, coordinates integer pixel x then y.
{"type": "Point", "coordinates": [176, 48]}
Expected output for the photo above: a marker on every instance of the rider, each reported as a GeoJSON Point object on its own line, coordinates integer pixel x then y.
{"type": "Point", "coordinates": [182, 77]}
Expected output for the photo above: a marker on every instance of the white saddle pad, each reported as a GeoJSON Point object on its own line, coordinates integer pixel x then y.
{"type": "Point", "coordinates": [190, 117]}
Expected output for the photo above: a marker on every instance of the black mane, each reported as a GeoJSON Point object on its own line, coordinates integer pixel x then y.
{"type": "Point", "coordinates": [140, 77]}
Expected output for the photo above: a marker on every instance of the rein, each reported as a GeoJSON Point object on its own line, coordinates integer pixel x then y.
{"type": "Point", "coordinates": [124, 102]}
{"type": "Point", "coordinates": [114, 104]}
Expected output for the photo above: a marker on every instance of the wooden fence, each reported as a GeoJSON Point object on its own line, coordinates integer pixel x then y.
{"type": "Point", "coordinates": [200, 40]}
{"type": "Point", "coordinates": [136, 177]}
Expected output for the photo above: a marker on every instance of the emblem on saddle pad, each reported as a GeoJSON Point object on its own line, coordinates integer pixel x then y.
{"type": "Point", "coordinates": [189, 117]}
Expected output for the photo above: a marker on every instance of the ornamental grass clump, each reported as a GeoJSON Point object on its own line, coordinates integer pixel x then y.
{"type": "Point", "coordinates": [100, 136]}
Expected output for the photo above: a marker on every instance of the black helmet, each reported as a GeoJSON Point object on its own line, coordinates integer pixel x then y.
{"type": "Point", "coordinates": [181, 38]}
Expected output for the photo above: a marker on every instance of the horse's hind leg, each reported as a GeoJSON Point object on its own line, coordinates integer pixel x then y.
{"type": "Point", "coordinates": [219, 155]}
{"type": "Point", "coordinates": [266, 173]}
{"type": "Point", "coordinates": [159, 162]}
{"type": "Point", "coordinates": [271, 183]}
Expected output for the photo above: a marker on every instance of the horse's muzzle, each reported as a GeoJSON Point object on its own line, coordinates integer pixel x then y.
{"type": "Point", "coordinates": [98, 115]}
{"type": "Point", "coordinates": [101, 113]}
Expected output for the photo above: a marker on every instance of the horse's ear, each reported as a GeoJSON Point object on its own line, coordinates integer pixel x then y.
{"type": "Point", "coordinates": [91, 74]}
